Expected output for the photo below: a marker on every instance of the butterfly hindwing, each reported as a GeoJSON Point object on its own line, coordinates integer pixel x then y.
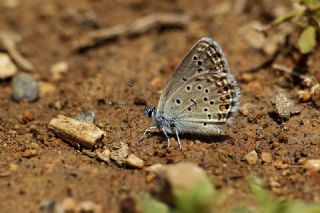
{"type": "Point", "coordinates": [201, 90]}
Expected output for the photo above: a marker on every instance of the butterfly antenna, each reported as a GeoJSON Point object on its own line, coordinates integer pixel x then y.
{"type": "Point", "coordinates": [140, 93]}
{"type": "Point", "coordinates": [125, 105]}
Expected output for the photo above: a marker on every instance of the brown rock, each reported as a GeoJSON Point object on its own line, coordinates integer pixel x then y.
{"type": "Point", "coordinates": [246, 77]}
{"type": "Point", "coordinates": [181, 179]}
{"type": "Point", "coordinates": [252, 158]}
{"type": "Point", "coordinates": [120, 152]}
{"type": "Point", "coordinates": [134, 162]}
{"type": "Point", "coordinates": [29, 153]}
{"type": "Point", "coordinates": [154, 168]}
{"type": "Point", "coordinates": [58, 70]}
{"type": "Point", "coordinates": [304, 96]}
{"type": "Point", "coordinates": [312, 165]}
{"type": "Point", "coordinates": [46, 89]}
{"type": "Point", "coordinates": [27, 116]}
{"type": "Point", "coordinates": [104, 155]}
{"type": "Point", "coordinates": [266, 157]}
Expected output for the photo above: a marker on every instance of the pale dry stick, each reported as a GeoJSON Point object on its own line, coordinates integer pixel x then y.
{"type": "Point", "coordinates": [288, 70]}
{"type": "Point", "coordinates": [138, 27]}
{"type": "Point", "coordinates": [309, 81]}
{"type": "Point", "coordinates": [8, 41]}
{"type": "Point", "coordinates": [76, 132]}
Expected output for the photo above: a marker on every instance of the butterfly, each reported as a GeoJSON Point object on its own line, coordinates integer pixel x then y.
{"type": "Point", "coordinates": [200, 97]}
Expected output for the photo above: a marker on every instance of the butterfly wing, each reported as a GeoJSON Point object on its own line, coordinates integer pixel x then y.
{"type": "Point", "coordinates": [201, 90]}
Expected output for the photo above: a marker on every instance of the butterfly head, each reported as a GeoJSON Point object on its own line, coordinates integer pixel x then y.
{"type": "Point", "coordinates": [150, 111]}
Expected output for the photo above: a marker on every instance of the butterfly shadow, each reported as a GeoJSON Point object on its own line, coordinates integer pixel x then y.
{"type": "Point", "coordinates": [205, 138]}
{"type": "Point", "coordinates": [209, 139]}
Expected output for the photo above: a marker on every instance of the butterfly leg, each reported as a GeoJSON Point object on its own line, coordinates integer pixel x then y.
{"type": "Point", "coordinates": [146, 131]}
{"type": "Point", "coordinates": [178, 138]}
{"type": "Point", "coordinates": [167, 136]}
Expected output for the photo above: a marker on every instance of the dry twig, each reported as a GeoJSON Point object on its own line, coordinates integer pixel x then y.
{"type": "Point", "coordinates": [136, 28]}
{"type": "Point", "coordinates": [8, 41]}
{"type": "Point", "coordinates": [309, 81]}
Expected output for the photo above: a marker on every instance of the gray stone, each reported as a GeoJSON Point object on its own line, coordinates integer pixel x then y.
{"type": "Point", "coordinates": [87, 117]}
{"type": "Point", "coordinates": [24, 87]}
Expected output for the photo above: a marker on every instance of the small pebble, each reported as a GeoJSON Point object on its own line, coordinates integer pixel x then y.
{"type": "Point", "coordinates": [150, 178]}
{"type": "Point", "coordinates": [153, 168]}
{"type": "Point", "coordinates": [246, 77]}
{"type": "Point", "coordinates": [274, 183]}
{"type": "Point", "coordinates": [304, 96]}
{"type": "Point", "coordinates": [279, 164]}
{"type": "Point", "coordinates": [302, 161]}
{"type": "Point", "coordinates": [29, 153]}
{"type": "Point", "coordinates": [247, 109]}
{"type": "Point", "coordinates": [251, 157]}
{"type": "Point", "coordinates": [58, 105]}
{"type": "Point", "coordinates": [90, 207]}
{"type": "Point", "coordinates": [316, 95]}
{"type": "Point", "coordinates": [27, 116]}
{"type": "Point", "coordinates": [104, 155]}
{"type": "Point", "coordinates": [58, 70]}
{"type": "Point", "coordinates": [7, 67]}
{"type": "Point", "coordinates": [46, 89]}
{"type": "Point", "coordinates": [71, 206]}
{"type": "Point", "coordinates": [284, 106]}
{"type": "Point", "coordinates": [120, 152]}
{"type": "Point", "coordinates": [250, 134]}
{"type": "Point", "coordinates": [134, 162]}
{"type": "Point", "coordinates": [87, 117]}
{"type": "Point", "coordinates": [51, 206]}
{"type": "Point", "coordinates": [312, 165]}
{"type": "Point", "coordinates": [178, 180]}
{"type": "Point", "coordinates": [255, 86]}
{"type": "Point", "coordinates": [10, 4]}
{"type": "Point", "coordinates": [266, 157]}
{"type": "Point", "coordinates": [24, 87]}
{"type": "Point", "coordinates": [156, 82]}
